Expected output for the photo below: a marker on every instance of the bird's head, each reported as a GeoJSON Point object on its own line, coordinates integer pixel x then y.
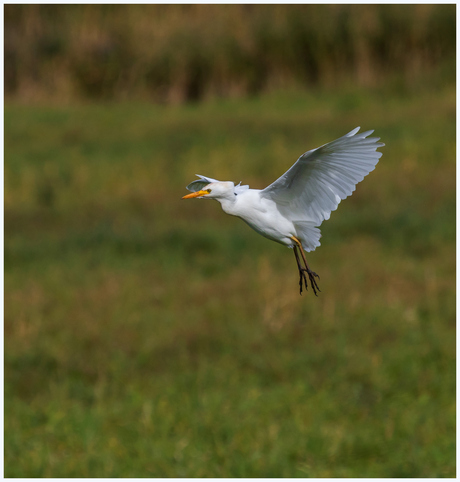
{"type": "Point", "coordinates": [214, 190]}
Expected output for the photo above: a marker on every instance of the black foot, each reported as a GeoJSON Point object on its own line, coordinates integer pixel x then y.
{"type": "Point", "coordinates": [311, 275]}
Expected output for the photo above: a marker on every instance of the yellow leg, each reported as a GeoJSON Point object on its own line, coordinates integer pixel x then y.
{"type": "Point", "coordinates": [311, 274]}
{"type": "Point", "coordinates": [302, 252]}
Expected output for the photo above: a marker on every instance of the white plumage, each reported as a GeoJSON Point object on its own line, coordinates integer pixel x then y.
{"type": "Point", "coordinates": [291, 209]}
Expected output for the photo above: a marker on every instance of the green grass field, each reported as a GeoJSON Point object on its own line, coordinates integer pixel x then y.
{"type": "Point", "coordinates": [146, 336]}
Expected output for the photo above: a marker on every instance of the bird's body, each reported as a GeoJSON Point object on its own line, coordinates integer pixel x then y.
{"type": "Point", "coordinates": [290, 209]}
{"type": "Point", "coordinates": [262, 215]}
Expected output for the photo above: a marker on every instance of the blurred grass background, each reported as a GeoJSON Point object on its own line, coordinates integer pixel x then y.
{"type": "Point", "coordinates": [177, 53]}
{"type": "Point", "coordinates": [147, 336]}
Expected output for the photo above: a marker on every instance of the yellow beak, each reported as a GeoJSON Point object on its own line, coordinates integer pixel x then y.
{"type": "Point", "coordinates": [195, 194]}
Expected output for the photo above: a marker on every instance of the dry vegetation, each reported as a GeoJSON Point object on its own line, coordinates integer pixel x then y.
{"type": "Point", "coordinates": [175, 53]}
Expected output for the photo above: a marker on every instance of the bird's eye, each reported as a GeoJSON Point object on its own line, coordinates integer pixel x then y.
{"type": "Point", "coordinates": [208, 190]}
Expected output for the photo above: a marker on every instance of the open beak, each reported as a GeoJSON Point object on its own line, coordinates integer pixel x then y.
{"type": "Point", "coordinates": [195, 194]}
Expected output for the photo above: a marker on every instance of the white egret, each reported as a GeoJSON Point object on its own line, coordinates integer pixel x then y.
{"type": "Point", "coordinates": [290, 210]}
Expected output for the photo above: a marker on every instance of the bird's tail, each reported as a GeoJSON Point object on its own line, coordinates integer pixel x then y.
{"type": "Point", "coordinates": [308, 234]}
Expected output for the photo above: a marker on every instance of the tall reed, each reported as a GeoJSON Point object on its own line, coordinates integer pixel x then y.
{"type": "Point", "coordinates": [176, 53]}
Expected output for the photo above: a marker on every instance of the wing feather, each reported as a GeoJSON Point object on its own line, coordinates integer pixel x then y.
{"type": "Point", "coordinates": [201, 183]}
{"type": "Point", "coordinates": [314, 186]}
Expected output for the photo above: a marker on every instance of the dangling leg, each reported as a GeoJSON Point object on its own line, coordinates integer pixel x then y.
{"type": "Point", "coordinates": [311, 274]}
{"type": "Point", "coordinates": [303, 277]}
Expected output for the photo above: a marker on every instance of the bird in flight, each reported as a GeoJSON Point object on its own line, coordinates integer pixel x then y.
{"type": "Point", "coordinates": [291, 209]}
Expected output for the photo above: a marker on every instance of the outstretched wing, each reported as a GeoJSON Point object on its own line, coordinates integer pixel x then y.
{"type": "Point", "coordinates": [322, 177]}
{"type": "Point", "coordinates": [199, 184]}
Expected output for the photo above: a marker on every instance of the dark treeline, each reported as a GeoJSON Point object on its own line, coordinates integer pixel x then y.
{"type": "Point", "coordinates": [176, 53]}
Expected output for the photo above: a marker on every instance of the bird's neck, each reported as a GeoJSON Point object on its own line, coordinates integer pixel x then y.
{"type": "Point", "coordinates": [228, 203]}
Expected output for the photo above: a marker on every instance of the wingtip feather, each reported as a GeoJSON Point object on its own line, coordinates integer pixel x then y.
{"type": "Point", "coordinates": [353, 132]}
